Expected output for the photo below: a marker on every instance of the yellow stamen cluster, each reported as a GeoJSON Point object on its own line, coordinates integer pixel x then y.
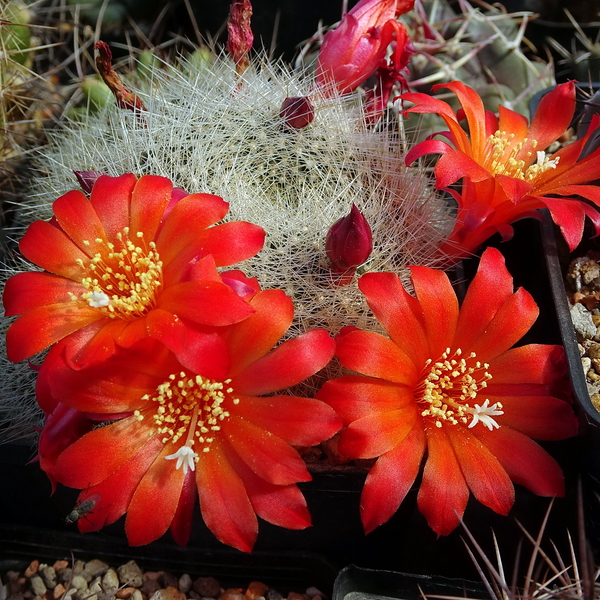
{"type": "Point", "coordinates": [190, 406]}
{"type": "Point", "coordinates": [123, 282]}
{"type": "Point", "coordinates": [450, 386]}
{"type": "Point", "coordinates": [503, 159]}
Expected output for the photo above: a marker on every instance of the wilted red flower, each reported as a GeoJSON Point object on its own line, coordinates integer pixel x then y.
{"type": "Point", "coordinates": [446, 385]}
{"type": "Point", "coordinates": [351, 52]}
{"type": "Point", "coordinates": [240, 36]}
{"type": "Point", "coordinates": [123, 261]}
{"type": "Point", "coordinates": [506, 171]}
{"type": "Point", "coordinates": [349, 242]}
{"type": "Point", "coordinates": [195, 419]}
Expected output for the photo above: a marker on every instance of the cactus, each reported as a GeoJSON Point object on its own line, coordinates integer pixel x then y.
{"type": "Point", "coordinates": [480, 48]}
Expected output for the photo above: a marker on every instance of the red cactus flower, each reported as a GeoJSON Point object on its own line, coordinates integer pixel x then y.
{"type": "Point", "coordinates": [446, 385]}
{"type": "Point", "coordinates": [351, 52]}
{"type": "Point", "coordinates": [506, 171]}
{"type": "Point", "coordinates": [120, 261]}
{"type": "Point", "coordinates": [196, 418]}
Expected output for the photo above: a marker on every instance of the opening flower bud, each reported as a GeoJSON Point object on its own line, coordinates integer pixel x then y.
{"type": "Point", "coordinates": [297, 112]}
{"type": "Point", "coordinates": [349, 242]}
{"type": "Point", "coordinates": [87, 179]}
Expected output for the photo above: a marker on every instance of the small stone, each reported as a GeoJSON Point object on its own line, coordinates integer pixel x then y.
{"type": "Point", "coordinates": [313, 591]}
{"type": "Point", "coordinates": [169, 593]}
{"type": "Point", "coordinates": [272, 594]}
{"type": "Point", "coordinates": [84, 595]}
{"type": "Point", "coordinates": [125, 592]}
{"type": "Point", "coordinates": [32, 568]}
{"type": "Point", "coordinates": [79, 567]}
{"type": "Point", "coordinates": [94, 568]}
{"type": "Point", "coordinates": [48, 575]}
{"type": "Point", "coordinates": [232, 594]}
{"type": "Point", "coordinates": [149, 586]}
{"type": "Point", "coordinates": [185, 583]}
{"type": "Point", "coordinates": [15, 583]}
{"type": "Point", "coordinates": [60, 564]}
{"type": "Point", "coordinates": [193, 594]}
{"type": "Point", "coordinates": [110, 581]}
{"type": "Point", "coordinates": [593, 376]}
{"type": "Point", "coordinates": [3, 591]}
{"type": "Point", "coordinates": [154, 575]}
{"type": "Point", "coordinates": [64, 574]}
{"type": "Point", "coordinates": [137, 595]}
{"type": "Point", "coordinates": [79, 582]}
{"type": "Point", "coordinates": [296, 596]}
{"type": "Point", "coordinates": [37, 585]}
{"type": "Point", "coordinates": [130, 574]}
{"type": "Point", "coordinates": [586, 364]}
{"type": "Point", "coordinates": [595, 398]}
{"type": "Point", "coordinates": [95, 586]}
{"type": "Point", "coordinates": [169, 580]}
{"type": "Point", "coordinates": [58, 591]}
{"type": "Point", "coordinates": [207, 587]}
{"type": "Point", "coordinates": [256, 589]}
{"type": "Point", "coordinates": [581, 349]}
{"type": "Point", "coordinates": [582, 322]}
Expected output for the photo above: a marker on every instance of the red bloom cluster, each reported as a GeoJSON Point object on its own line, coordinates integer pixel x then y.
{"type": "Point", "coordinates": [148, 336]}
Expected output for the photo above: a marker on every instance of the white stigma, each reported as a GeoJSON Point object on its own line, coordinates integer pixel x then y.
{"type": "Point", "coordinates": [484, 414]}
{"type": "Point", "coordinates": [185, 456]}
{"type": "Point", "coordinates": [546, 162]}
{"type": "Point", "coordinates": [98, 300]}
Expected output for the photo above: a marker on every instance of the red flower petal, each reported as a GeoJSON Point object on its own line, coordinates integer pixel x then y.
{"type": "Point", "coordinates": [231, 243]}
{"type": "Point", "coordinates": [200, 350]}
{"type": "Point", "coordinates": [298, 421]}
{"type": "Point", "coordinates": [443, 494]}
{"type": "Point", "coordinates": [390, 479]}
{"type": "Point", "coordinates": [78, 219]}
{"type": "Point", "coordinates": [525, 462]}
{"type": "Point", "coordinates": [205, 302]}
{"type": "Point", "coordinates": [534, 363]}
{"type": "Point", "coordinates": [539, 417]}
{"type": "Point", "coordinates": [110, 198]}
{"type": "Point", "coordinates": [117, 490]}
{"type": "Point", "coordinates": [374, 355]}
{"type": "Point", "coordinates": [252, 338]}
{"type": "Point", "coordinates": [398, 312]}
{"type": "Point", "coordinates": [378, 433]}
{"type": "Point", "coordinates": [266, 454]}
{"type": "Point", "coordinates": [181, 526]}
{"type": "Point", "coordinates": [491, 287]}
{"type": "Point", "coordinates": [454, 165]}
{"type": "Point", "coordinates": [354, 397]}
{"type": "Point", "coordinates": [81, 465]}
{"type": "Point", "coordinates": [289, 364]}
{"type": "Point", "coordinates": [26, 291]}
{"type": "Point", "coordinates": [154, 501]}
{"type": "Point", "coordinates": [224, 502]}
{"type": "Point", "coordinates": [42, 327]}
{"type": "Point", "coordinates": [282, 505]}
{"type": "Point", "coordinates": [439, 305]}
{"type": "Point", "coordinates": [483, 473]}
{"type": "Point", "coordinates": [512, 321]}
{"type": "Point", "coordinates": [48, 247]}
{"type": "Point", "coordinates": [149, 200]}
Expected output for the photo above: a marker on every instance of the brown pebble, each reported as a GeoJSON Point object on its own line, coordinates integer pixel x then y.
{"type": "Point", "coordinates": [153, 575]}
{"type": "Point", "coordinates": [296, 596]}
{"type": "Point", "coordinates": [58, 591]}
{"type": "Point", "coordinates": [232, 594]}
{"type": "Point", "coordinates": [60, 564]}
{"type": "Point", "coordinates": [593, 376]}
{"type": "Point", "coordinates": [595, 398]}
{"type": "Point", "coordinates": [168, 593]}
{"type": "Point", "coordinates": [32, 568]}
{"type": "Point", "coordinates": [149, 587]}
{"type": "Point", "coordinates": [125, 592]}
{"type": "Point", "coordinates": [169, 580]}
{"type": "Point", "coordinates": [207, 587]}
{"type": "Point", "coordinates": [256, 589]}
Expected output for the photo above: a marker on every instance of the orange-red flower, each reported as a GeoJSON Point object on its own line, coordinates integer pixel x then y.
{"type": "Point", "coordinates": [507, 174]}
{"type": "Point", "coordinates": [195, 418]}
{"type": "Point", "coordinates": [121, 260]}
{"type": "Point", "coordinates": [446, 384]}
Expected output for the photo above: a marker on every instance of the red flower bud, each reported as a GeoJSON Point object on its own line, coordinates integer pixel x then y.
{"type": "Point", "coordinates": [87, 179]}
{"type": "Point", "coordinates": [349, 242]}
{"type": "Point", "coordinates": [239, 32]}
{"type": "Point", "coordinates": [297, 112]}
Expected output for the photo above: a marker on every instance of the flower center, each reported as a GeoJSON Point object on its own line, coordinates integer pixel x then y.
{"type": "Point", "coordinates": [503, 161]}
{"type": "Point", "coordinates": [190, 406]}
{"type": "Point", "coordinates": [122, 283]}
{"type": "Point", "coordinates": [449, 390]}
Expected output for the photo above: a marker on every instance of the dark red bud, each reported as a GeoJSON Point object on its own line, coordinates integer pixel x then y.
{"type": "Point", "coordinates": [87, 179]}
{"type": "Point", "coordinates": [297, 112]}
{"type": "Point", "coordinates": [349, 242]}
